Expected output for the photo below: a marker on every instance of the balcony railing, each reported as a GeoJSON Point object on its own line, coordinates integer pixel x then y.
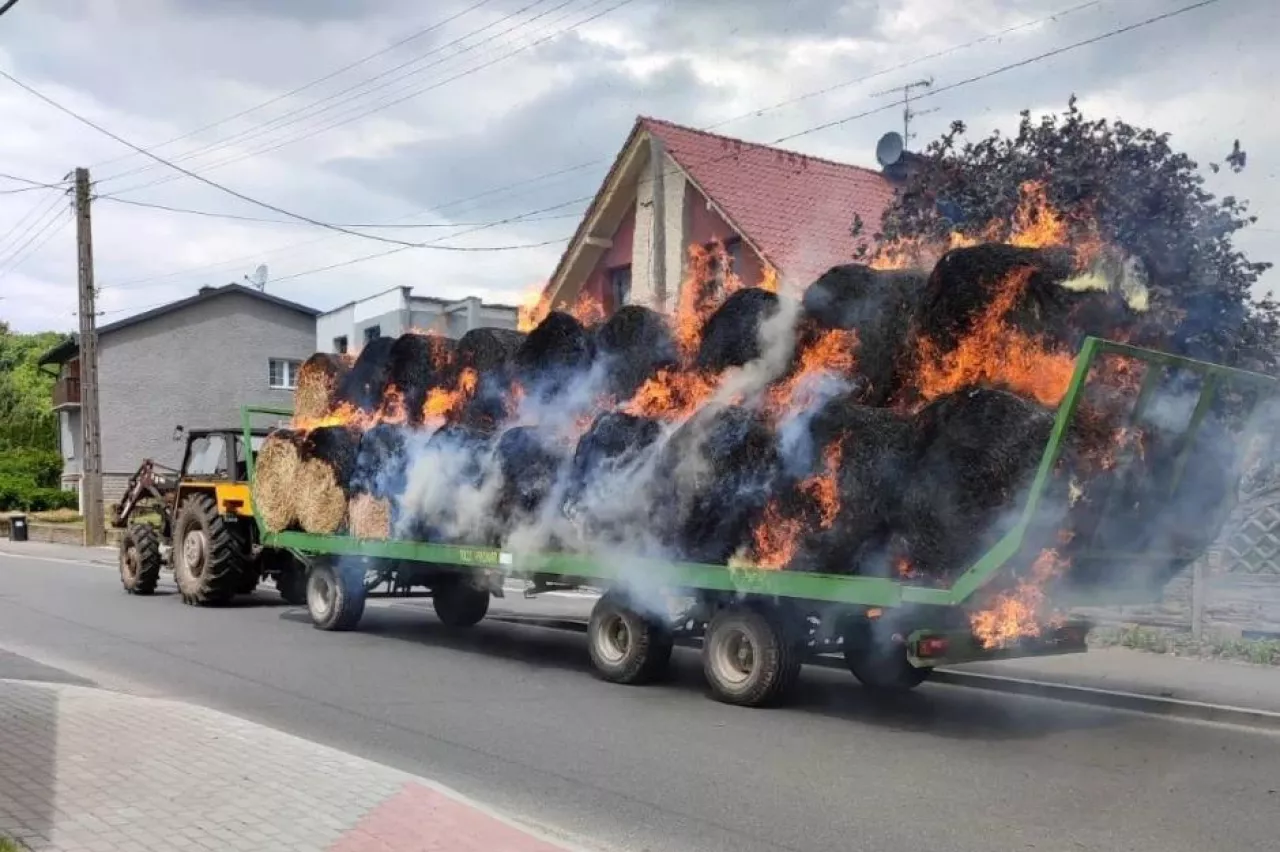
{"type": "Point", "coordinates": [66, 391]}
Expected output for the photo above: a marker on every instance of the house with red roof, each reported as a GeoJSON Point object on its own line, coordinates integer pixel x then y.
{"type": "Point", "coordinates": [672, 187]}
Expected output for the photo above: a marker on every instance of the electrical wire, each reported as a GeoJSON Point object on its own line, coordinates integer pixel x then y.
{"type": "Point", "coordinates": [414, 36]}
{"type": "Point", "coordinates": [7, 6]}
{"type": "Point", "coordinates": [38, 213]}
{"type": "Point", "coordinates": [31, 184]}
{"type": "Point", "coordinates": [53, 227]}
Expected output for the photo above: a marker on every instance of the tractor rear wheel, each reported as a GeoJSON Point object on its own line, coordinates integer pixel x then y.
{"type": "Point", "coordinates": [140, 560]}
{"type": "Point", "coordinates": [208, 558]}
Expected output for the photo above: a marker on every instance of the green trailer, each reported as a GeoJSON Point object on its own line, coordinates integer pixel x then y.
{"type": "Point", "coordinates": [757, 627]}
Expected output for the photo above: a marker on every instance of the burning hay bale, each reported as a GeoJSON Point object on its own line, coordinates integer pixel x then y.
{"type": "Point", "coordinates": [600, 498]}
{"type": "Point", "coordinates": [381, 463]}
{"type": "Point", "coordinates": [554, 355]}
{"type": "Point", "coordinates": [365, 383]}
{"type": "Point", "coordinates": [731, 335]}
{"type": "Point", "coordinates": [369, 517]}
{"type": "Point", "coordinates": [445, 499]}
{"type": "Point", "coordinates": [636, 343]}
{"type": "Point", "coordinates": [975, 453]}
{"type": "Point", "coordinates": [416, 363]}
{"type": "Point", "coordinates": [328, 457]}
{"type": "Point", "coordinates": [488, 349]}
{"type": "Point", "coordinates": [712, 481]}
{"type": "Point", "coordinates": [529, 468]}
{"type": "Point", "coordinates": [318, 380]}
{"type": "Point", "coordinates": [275, 474]}
{"type": "Point", "coordinates": [878, 306]}
{"type": "Point", "coordinates": [484, 359]}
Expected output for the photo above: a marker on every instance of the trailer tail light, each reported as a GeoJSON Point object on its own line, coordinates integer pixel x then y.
{"type": "Point", "coordinates": [932, 646]}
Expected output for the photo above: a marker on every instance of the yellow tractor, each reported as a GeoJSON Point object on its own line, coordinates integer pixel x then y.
{"type": "Point", "coordinates": [206, 532]}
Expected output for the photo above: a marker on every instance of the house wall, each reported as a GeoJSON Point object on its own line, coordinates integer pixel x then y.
{"type": "Point", "coordinates": [194, 367]}
{"type": "Point", "coordinates": [397, 311]}
{"type": "Point", "coordinates": [707, 226]}
{"type": "Point", "coordinates": [339, 322]}
{"type": "Point", "coordinates": [621, 253]}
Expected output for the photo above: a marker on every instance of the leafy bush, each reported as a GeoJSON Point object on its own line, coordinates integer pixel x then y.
{"type": "Point", "coordinates": [41, 468]}
{"type": "Point", "coordinates": [19, 495]}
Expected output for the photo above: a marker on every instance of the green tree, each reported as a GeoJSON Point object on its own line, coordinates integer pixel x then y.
{"type": "Point", "coordinates": [1137, 191]}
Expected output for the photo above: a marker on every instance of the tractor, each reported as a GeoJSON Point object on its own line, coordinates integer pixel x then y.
{"type": "Point", "coordinates": [206, 533]}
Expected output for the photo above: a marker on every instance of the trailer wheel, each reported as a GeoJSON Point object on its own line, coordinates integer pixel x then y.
{"type": "Point", "coordinates": [140, 560]}
{"type": "Point", "coordinates": [335, 596]}
{"type": "Point", "coordinates": [625, 646]}
{"type": "Point", "coordinates": [208, 558]}
{"type": "Point", "coordinates": [459, 604]}
{"type": "Point", "coordinates": [881, 666]}
{"type": "Point", "coordinates": [748, 658]}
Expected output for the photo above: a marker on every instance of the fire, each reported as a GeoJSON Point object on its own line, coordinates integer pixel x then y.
{"type": "Point", "coordinates": [708, 281]}
{"type": "Point", "coordinates": [903, 568]}
{"type": "Point", "coordinates": [392, 409]}
{"type": "Point", "coordinates": [442, 404]}
{"type": "Point", "coordinates": [824, 488]}
{"type": "Point", "coordinates": [345, 414]}
{"type": "Point", "coordinates": [1036, 223]}
{"type": "Point", "coordinates": [671, 395]}
{"type": "Point", "coordinates": [993, 352]}
{"type": "Point", "coordinates": [776, 538]}
{"type": "Point", "coordinates": [533, 309]}
{"type": "Point", "coordinates": [1019, 612]}
{"type": "Point", "coordinates": [588, 309]}
{"type": "Point", "coordinates": [769, 279]}
{"type": "Point", "coordinates": [832, 352]}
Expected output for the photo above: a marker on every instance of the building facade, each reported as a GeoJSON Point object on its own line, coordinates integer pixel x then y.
{"type": "Point", "coordinates": [393, 312]}
{"type": "Point", "coordinates": [192, 364]}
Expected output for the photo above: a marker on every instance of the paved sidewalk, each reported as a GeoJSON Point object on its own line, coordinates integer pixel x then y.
{"type": "Point", "coordinates": [1163, 676]}
{"type": "Point", "coordinates": [88, 770]}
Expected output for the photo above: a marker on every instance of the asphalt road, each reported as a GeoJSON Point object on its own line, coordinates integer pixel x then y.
{"type": "Point", "coordinates": [511, 715]}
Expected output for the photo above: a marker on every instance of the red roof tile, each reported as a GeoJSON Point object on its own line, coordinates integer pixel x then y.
{"type": "Point", "coordinates": [796, 209]}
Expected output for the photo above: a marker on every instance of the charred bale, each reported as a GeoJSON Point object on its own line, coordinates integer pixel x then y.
{"type": "Point", "coordinates": [488, 349]}
{"type": "Point", "coordinates": [417, 363]}
{"type": "Point", "coordinates": [319, 378]}
{"type": "Point", "coordinates": [365, 383]}
{"type": "Point", "coordinates": [635, 344]}
{"type": "Point", "coordinates": [975, 453]}
{"type": "Point", "coordinates": [556, 354]}
{"type": "Point", "coordinates": [529, 467]}
{"type": "Point", "coordinates": [446, 474]}
{"type": "Point", "coordinates": [381, 462]}
{"type": "Point", "coordinates": [328, 456]}
{"type": "Point", "coordinates": [712, 482]}
{"type": "Point", "coordinates": [275, 494]}
{"type": "Point", "coordinates": [879, 306]}
{"type": "Point", "coordinates": [485, 358]}
{"type": "Point", "coordinates": [600, 498]}
{"type": "Point", "coordinates": [731, 335]}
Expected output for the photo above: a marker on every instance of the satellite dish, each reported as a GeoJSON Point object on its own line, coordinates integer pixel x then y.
{"type": "Point", "coordinates": [259, 277]}
{"type": "Point", "coordinates": [889, 149]}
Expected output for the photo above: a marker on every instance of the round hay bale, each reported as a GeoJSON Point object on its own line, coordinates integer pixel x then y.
{"type": "Point", "coordinates": [879, 306]}
{"type": "Point", "coordinates": [635, 343]}
{"type": "Point", "coordinates": [529, 468]}
{"type": "Point", "coordinates": [731, 335]}
{"type": "Point", "coordinates": [328, 458]}
{"type": "Point", "coordinates": [416, 363]}
{"type": "Point", "coordinates": [712, 481]}
{"type": "Point", "coordinates": [600, 497]}
{"type": "Point", "coordinates": [275, 479]}
{"type": "Point", "coordinates": [485, 349]}
{"type": "Point", "coordinates": [369, 517]}
{"type": "Point", "coordinates": [554, 355]}
{"type": "Point", "coordinates": [381, 463]}
{"type": "Point", "coordinates": [318, 381]}
{"type": "Point", "coordinates": [365, 383]}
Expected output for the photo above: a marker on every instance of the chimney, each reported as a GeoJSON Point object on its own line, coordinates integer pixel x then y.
{"type": "Point", "coordinates": [207, 288]}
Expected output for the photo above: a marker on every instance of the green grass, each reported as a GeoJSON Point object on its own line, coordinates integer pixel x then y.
{"type": "Point", "coordinates": [1265, 652]}
{"type": "Point", "coordinates": [7, 845]}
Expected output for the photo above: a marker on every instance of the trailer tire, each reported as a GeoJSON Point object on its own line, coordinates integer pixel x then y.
{"type": "Point", "coordinates": [749, 658]}
{"type": "Point", "coordinates": [458, 604]}
{"type": "Point", "coordinates": [335, 596]}
{"type": "Point", "coordinates": [140, 560]}
{"type": "Point", "coordinates": [625, 646]}
{"type": "Point", "coordinates": [882, 667]}
{"type": "Point", "coordinates": [208, 557]}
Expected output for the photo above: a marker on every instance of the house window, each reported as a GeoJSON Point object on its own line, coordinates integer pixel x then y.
{"type": "Point", "coordinates": [283, 374]}
{"type": "Point", "coordinates": [620, 285]}
{"type": "Point", "coordinates": [372, 333]}
{"type": "Point", "coordinates": [340, 345]}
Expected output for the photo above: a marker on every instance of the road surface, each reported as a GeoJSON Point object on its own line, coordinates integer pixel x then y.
{"type": "Point", "coordinates": [511, 715]}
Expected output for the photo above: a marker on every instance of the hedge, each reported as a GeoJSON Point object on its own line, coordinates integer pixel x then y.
{"type": "Point", "coordinates": [22, 496]}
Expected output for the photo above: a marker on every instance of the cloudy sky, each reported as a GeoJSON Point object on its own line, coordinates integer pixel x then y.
{"type": "Point", "coordinates": [484, 124]}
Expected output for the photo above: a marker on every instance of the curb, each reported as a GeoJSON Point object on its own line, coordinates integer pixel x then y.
{"type": "Point", "coordinates": [1113, 699]}
{"type": "Point", "coordinates": [1134, 702]}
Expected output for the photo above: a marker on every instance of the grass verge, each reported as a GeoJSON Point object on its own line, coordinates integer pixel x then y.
{"type": "Point", "coordinates": [1264, 652]}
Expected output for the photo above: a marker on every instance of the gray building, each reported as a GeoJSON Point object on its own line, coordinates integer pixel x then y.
{"type": "Point", "coordinates": [393, 312]}
{"type": "Point", "coordinates": [191, 363]}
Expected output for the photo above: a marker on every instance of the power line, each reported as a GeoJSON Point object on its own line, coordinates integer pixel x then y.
{"type": "Point", "coordinates": [414, 36]}
{"type": "Point", "coordinates": [7, 6]}
{"type": "Point", "coordinates": [37, 214]}
{"type": "Point", "coordinates": [214, 215]}
{"type": "Point", "coordinates": [46, 233]}
{"type": "Point", "coordinates": [31, 184]}
{"type": "Point", "coordinates": [253, 132]}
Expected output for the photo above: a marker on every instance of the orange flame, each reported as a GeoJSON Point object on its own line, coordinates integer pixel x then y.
{"type": "Point", "coordinates": [832, 352]}
{"type": "Point", "coordinates": [671, 395]}
{"type": "Point", "coordinates": [392, 409]}
{"type": "Point", "coordinates": [824, 488]}
{"type": "Point", "coordinates": [587, 309]}
{"type": "Point", "coordinates": [1021, 611]}
{"type": "Point", "coordinates": [776, 538]}
{"type": "Point", "coordinates": [708, 280]}
{"type": "Point", "coordinates": [444, 404]}
{"type": "Point", "coordinates": [533, 309]}
{"type": "Point", "coordinates": [769, 279]}
{"type": "Point", "coordinates": [994, 352]}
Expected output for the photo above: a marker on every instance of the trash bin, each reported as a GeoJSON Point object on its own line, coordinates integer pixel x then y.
{"type": "Point", "coordinates": [17, 528]}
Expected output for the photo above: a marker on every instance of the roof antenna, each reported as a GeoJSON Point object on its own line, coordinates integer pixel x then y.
{"type": "Point", "coordinates": [907, 112]}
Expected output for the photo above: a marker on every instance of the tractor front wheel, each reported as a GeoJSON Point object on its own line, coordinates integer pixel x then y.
{"type": "Point", "coordinates": [140, 560]}
{"type": "Point", "coordinates": [208, 558]}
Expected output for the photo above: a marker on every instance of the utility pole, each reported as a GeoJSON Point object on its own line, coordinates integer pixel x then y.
{"type": "Point", "coordinates": [907, 112]}
{"type": "Point", "coordinates": [90, 434]}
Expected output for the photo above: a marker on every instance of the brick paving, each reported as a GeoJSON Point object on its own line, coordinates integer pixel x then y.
{"type": "Point", "coordinates": [88, 770]}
